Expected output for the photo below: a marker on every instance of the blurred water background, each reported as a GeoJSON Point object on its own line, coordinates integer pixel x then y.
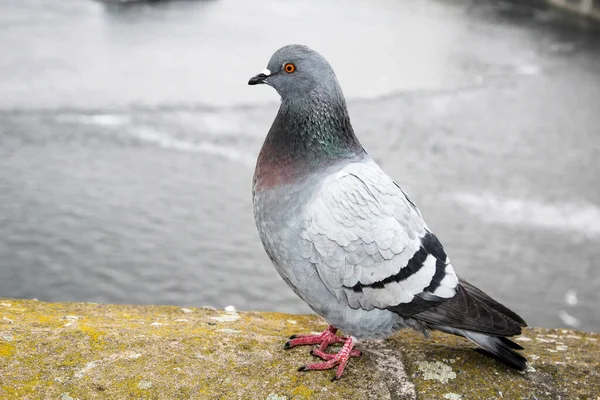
{"type": "Point", "coordinates": [128, 137]}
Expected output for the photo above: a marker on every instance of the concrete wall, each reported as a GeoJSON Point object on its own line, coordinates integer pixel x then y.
{"type": "Point", "coordinates": [73, 351]}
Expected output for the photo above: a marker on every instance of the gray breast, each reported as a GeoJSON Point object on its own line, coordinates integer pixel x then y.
{"type": "Point", "coordinates": [280, 214]}
{"type": "Point", "coordinates": [277, 213]}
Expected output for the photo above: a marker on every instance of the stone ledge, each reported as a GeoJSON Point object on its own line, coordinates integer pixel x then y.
{"type": "Point", "coordinates": [88, 351]}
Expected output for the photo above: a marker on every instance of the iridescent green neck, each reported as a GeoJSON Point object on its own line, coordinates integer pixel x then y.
{"type": "Point", "coordinates": [309, 133]}
{"type": "Point", "coordinates": [313, 128]}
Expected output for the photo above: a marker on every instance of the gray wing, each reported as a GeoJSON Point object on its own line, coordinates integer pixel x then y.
{"type": "Point", "coordinates": [370, 245]}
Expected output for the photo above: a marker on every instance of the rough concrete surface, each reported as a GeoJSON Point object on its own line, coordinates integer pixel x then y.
{"type": "Point", "coordinates": [90, 351]}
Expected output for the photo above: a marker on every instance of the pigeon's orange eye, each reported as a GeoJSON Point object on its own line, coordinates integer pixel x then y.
{"type": "Point", "coordinates": [289, 68]}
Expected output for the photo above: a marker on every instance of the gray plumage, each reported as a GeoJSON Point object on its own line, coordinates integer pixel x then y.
{"type": "Point", "coordinates": [344, 235]}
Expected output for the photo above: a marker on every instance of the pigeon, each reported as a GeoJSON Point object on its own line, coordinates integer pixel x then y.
{"type": "Point", "coordinates": [346, 238]}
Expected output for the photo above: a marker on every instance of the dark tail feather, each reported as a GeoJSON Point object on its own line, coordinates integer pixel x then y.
{"type": "Point", "coordinates": [476, 316]}
{"type": "Point", "coordinates": [502, 349]}
{"type": "Point", "coordinates": [481, 296]}
{"type": "Point", "coordinates": [499, 348]}
{"type": "Point", "coordinates": [511, 344]}
{"type": "Point", "coordinates": [472, 310]}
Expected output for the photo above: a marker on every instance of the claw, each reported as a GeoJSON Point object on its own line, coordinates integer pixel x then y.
{"type": "Point", "coordinates": [324, 339]}
{"type": "Point", "coordinates": [330, 360]}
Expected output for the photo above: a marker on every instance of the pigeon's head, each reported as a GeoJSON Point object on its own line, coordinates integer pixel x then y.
{"type": "Point", "coordinates": [295, 71]}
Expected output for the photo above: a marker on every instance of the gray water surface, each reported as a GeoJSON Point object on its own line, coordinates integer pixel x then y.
{"type": "Point", "coordinates": [128, 137]}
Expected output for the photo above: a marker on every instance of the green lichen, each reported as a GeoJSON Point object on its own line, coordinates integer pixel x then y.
{"type": "Point", "coordinates": [273, 396]}
{"type": "Point", "coordinates": [453, 396]}
{"type": "Point", "coordinates": [436, 370]}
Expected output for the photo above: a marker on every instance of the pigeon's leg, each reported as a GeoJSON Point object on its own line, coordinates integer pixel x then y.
{"type": "Point", "coordinates": [324, 339]}
{"type": "Point", "coordinates": [340, 359]}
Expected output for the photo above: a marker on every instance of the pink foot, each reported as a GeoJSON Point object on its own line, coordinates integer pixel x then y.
{"type": "Point", "coordinates": [324, 340]}
{"type": "Point", "coordinates": [340, 359]}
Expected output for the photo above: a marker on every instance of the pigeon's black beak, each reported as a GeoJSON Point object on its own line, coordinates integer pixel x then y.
{"type": "Point", "coordinates": [257, 79]}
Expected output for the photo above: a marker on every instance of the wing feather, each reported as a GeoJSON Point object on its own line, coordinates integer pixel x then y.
{"type": "Point", "coordinates": [370, 244]}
